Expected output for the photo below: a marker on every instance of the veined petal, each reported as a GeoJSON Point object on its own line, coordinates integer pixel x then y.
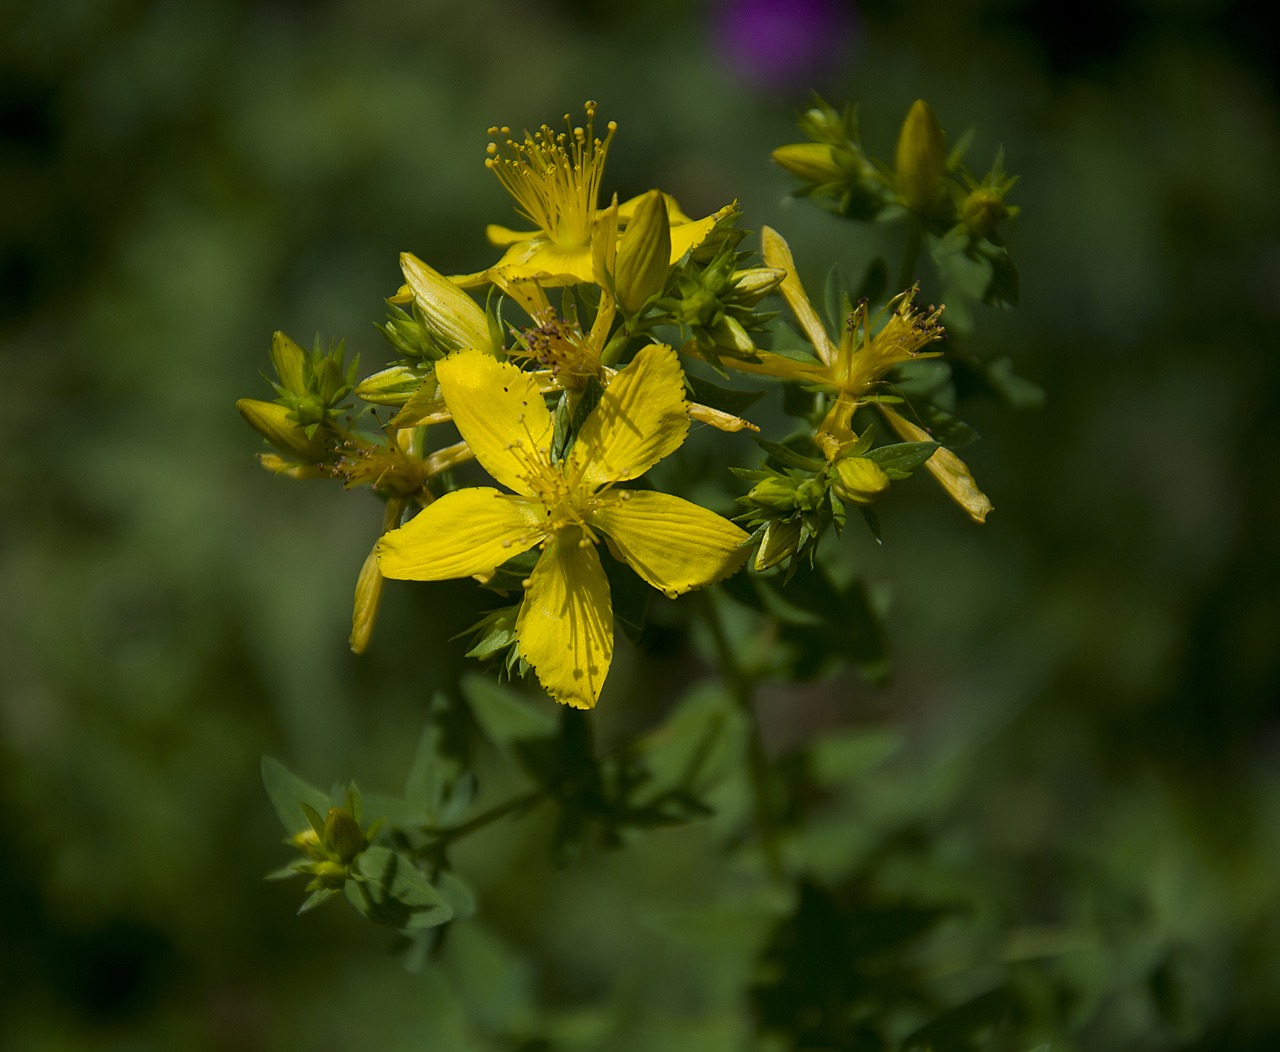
{"type": "Point", "coordinates": [449, 310]}
{"type": "Point", "coordinates": [777, 253]}
{"type": "Point", "coordinates": [550, 263]}
{"type": "Point", "coordinates": [565, 627]}
{"type": "Point", "coordinates": [952, 473]}
{"type": "Point", "coordinates": [470, 531]}
{"type": "Point", "coordinates": [673, 544]}
{"type": "Point", "coordinates": [500, 413]}
{"type": "Point", "coordinates": [640, 418]}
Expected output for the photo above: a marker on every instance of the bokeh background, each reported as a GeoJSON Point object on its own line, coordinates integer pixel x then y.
{"type": "Point", "coordinates": [1085, 688]}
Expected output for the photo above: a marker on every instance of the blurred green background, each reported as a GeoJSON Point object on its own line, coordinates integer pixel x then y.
{"type": "Point", "coordinates": [1086, 686]}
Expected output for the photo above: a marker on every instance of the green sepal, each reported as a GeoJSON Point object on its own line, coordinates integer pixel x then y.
{"type": "Point", "coordinates": [789, 457]}
{"type": "Point", "coordinates": [900, 459]}
{"type": "Point", "coordinates": [315, 898]}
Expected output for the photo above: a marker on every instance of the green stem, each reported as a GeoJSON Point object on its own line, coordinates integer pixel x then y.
{"type": "Point", "coordinates": [444, 837]}
{"type": "Point", "coordinates": [741, 685]}
{"type": "Point", "coordinates": [910, 255]}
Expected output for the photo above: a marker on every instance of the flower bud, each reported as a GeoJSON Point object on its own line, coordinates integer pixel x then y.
{"type": "Point", "coordinates": [859, 480]}
{"type": "Point", "coordinates": [752, 285]}
{"type": "Point", "coordinates": [271, 420]}
{"type": "Point", "coordinates": [343, 835]}
{"type": "Point", "coordinates": [780, 541]}
{"type": "Point", "coordinates": [731, 336]}
{"type": "Point", "coordinates": [644, 254]}
{"type": "Point", "coordinates": [451, 314]}
{"type": "Point", "coordinates": [331, 875]}
{"type": "Point", "coordinates": [982, 211]}
{"type": "Point", "coordinates": [815, 162]}
{"type": "Point", "coordinates": [921, 157]}
{"type": "Point", "coordinates": [393, 386]}
{"type": "Point", "coordinates": [774, 493]}
{"type": "Point", "coordinates": [290, 362]}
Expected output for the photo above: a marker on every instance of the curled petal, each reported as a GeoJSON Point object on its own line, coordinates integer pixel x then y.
{"type": "Point", "coordinates": [565, 627]}
{"type": "Point", "coordinates": [777, 253]}
{"type": "Point", "coordinates": [467, 532]}
{"type": "Point", "coordinates": [952, 473]}
{"type": "Point", "coordinates": [499, 413]}
{"type": "Point", "coordinates": [641, 418]}
{"type": "Point", "coordinates": [673, 544]}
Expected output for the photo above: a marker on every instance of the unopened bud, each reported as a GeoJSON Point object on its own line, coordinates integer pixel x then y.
{"type": "Point", "coordinates": [859, 480]}
{"type": "Point", "coordinates": [290, 362]}
{"type": "Point", "coordinates": [730, 335]}
{"type": "Point", "coordinates": [921, 157]}
{"type": "Point", "coordinates": [343, 835]}
{"type": "Point", "coordinates": [982, 211]}
{"type": "Point", "coordinates": [393, 386]}
{"type": "Point", "coordinates": [331, 875]}
{"type": "Point", "coordinates": [774, 494]}
{"type": "Point", "coordinates": [271, 421]}
{"type": "Point", "coordinates": [365, 611]}
{"type": "Point", "coordinates": [451, 314]}
{"type": "Point", "coordinates": [780, 541]}
{"type": "Point", "coordinates": [644, 254]}
{"type": "Point", "coordinates": [752, 285]}
{"type": "Point", "coordinates": [815, 162]}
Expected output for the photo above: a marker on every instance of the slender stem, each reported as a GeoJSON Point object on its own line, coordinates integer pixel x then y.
{"type": "Point", "coordinates": [741, 685]}
{"type": "Point", "coordinates": [910, 255]}
{"type": "Point", "coordinates": [444, 837]}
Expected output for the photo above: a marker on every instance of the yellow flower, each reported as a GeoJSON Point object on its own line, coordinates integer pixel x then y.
{"type": "Point", "coordinates": [555, 180]}
{"type": "Point", "coordinates": [565, 625]}
{"type": "Point", "coordinates": [855, 365]}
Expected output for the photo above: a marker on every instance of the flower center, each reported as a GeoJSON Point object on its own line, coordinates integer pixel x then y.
{"type": "Point", "coordinates": [554, 176]}
{"type": "Point", "coordinates": [865, 357]}
{"type": "Point", "coordinates": [561, 348]}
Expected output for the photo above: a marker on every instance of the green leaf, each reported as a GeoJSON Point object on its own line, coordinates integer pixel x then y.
{"type": "Point", "coordinates": [315, 898]}
{"type": "Point", "coordinates": [289, 794]}
{"type": "Point", "coordinates": [440, 784]}
{"type": "Point", "coordinates": [901, 458]}
{"type": "Point", "coordinates": [789, 457]}
{"type": "Point", "coordinates": [460, 898]}
{"type": "Point", "coordinates": [394, 893]}
{"type": "Point", "coordinates": [505, 715]}
{"type": "Point", "coordinates": [837, 299]}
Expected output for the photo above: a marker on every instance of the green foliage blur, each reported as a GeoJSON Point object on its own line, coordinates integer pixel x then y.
{"type": "Point", "coordinates": [1067, 792]}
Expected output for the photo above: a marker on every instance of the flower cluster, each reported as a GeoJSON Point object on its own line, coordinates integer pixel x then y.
{"type": "Point", "coordinates": [626, 306]}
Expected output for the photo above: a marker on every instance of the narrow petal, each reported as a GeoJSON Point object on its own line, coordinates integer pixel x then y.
{"type": "Point", "coordinates": [504, 235]}
{"type": "Point", "coordinates": [781, 367]}
{"type": "Point", "coordinates": [673, 544]}
{"type": "Point", "coordinates": [952, 473]}
{"type": "Point", "coordinates": [500, 413]}
{"type": "Point", "coordinates": [777, 253]}
{"type": "Point", "coordinates": [640, 418]}
{"type": "Point", "coordinates": [449, 310]}
{"type": "Point", "coordinates": [469, 531]}
{"type": "Point", "coordinates": [565, 625]}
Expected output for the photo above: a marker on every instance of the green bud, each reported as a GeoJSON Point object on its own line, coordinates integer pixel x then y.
{"type": "Point", "coordinates": [278, 465]}
{"type": "Point", "coordinates": [921, 157]}
{"type": "Point", "coordinates": [859, 480]}
{"type": "Point", "coordinates": [272, 421]}
{"type": "Point", "coordinates": [331, 875]}
{"type": "Point", "coordinates": [365, 611]}
{"type": "Point", "coordinates": [644, 254]}
{"type": "Point", "coordinates": [290, 361]}
{"type": "Point", "coordinates": [982, 211]}
{"type": "Point", "coordinates": [752, 285]}
{"type": "Point", "coordinates": [780, 541]}
{"type": "Point", "coordinates": [393, 386]}
{"type": "Point", "coordinates": [343, 835]}
{"type": "Point", "coordinates": [729, 334]}
{"type": "Point", "coordinates": [774, 493]}
{"type": "Point", "coordinates": [811, 494]}
{"type": "Point", "coordinates": [814, 162]}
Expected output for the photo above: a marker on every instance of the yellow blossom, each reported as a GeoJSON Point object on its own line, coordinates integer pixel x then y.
{"type": "Point", "coordinates": [554, 178]}
{"type": "Point", "coordinates": [565, 625]}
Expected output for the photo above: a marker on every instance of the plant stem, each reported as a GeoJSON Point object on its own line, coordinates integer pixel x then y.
{"type": "Point", "coordinates": [444, 837]}
{"type": "Point", "coordinates": [910, 255]}
{"type": "Point", "coordinates": [741, 685]}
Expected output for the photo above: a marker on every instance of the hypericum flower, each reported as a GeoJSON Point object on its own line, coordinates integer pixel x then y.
{"type": "Point", "coordinates": [555, 180]}
{"type": "Point", "coordinates": [565, 625]}
{"type": "Point", "coordinates": [854, 367]}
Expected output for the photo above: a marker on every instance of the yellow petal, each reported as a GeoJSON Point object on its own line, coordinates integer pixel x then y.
{"type": "Point", "coordinates": [782, 367]}
{"type": "Point", "coordinates": [500, 413]}
{"type": "Point", "coordinates": [504, 235]}
{"type": "Point", "coordinates": [640, 418]}
{"type": "Point", "coordinates": [450, 312]}
{"type": "Point", "coordinates": [470, 531]}
{"type": "Point", "coordinates": [777, 253]}
{"type": "Point", "coordinates": [673, 544]}
{"type": "Point", "coordinates": [565, 627]}
{"type": "Point", "coordinates": [951, 472]}
{"type": "Point", "coordinates": [550, 263]}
